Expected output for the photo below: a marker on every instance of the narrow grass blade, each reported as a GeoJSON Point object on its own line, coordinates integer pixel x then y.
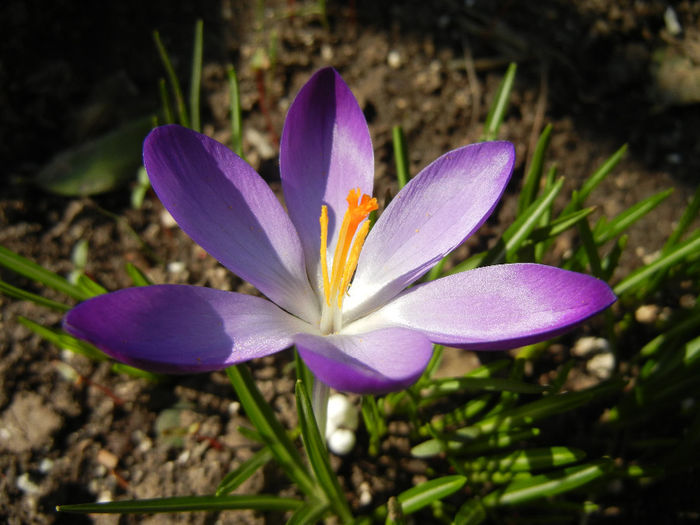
{"type": "Point", "coordinates": [471, 513]}
{"type": "Point", "coordinates": [447, 386]}
{"type": "Point", "coordinates": [262, 502]}
{"type": "Point", "coordinates": [532, 180]}
{"type": "Point", "coordinates": [166, 104]}
{"type": "Point", "coordinates": [422, 495]}
{"type": "Point", "coordinates": [33, 271]}
{"type": "Point", "coordinates": [612, 259]}
{"type": "Point", "coordinates": [262, 416]}
{"type": "Point", "coordinates": [547, 485]}
{"type": "Point", "coordinates": [64, 340]}
{"type": "Point", "coordinates": [196, 76]}
{"type": "Point", "coordinates": [559, 225]}
{"type": "Point", "coordinates": [628, 217]}
{"type": "Point", "coordinates": [518, 232]}
{"type": "Point", "coordinates": [137, 276]}
{"type": "Point", "coordinates": [434, 447]}
{"type": "Point", "coordinates": [674, 256]}
{"type": "Point", "coordinates": [400, 156]}
{"type": "Point", "coordinates": [309, 514]}
{"type": "Point", "coordinates": [121, 368]}
{"type": "Point", "coordinates": [497, 111]}
{"type": "Point", "coordinates": [172, 78]}
{"type": "Point", "coordinates": [596, 178]}
{"type": "Point", "coordinates": [23, 295]}
{"type": "Point", "coordinates": [318, 455]}
{"type": "Point", "coordinates": [246, 469]}
{"type": "Point", "coordinates": [689, 215]}
{"type": "Point", "coordinates": [89, 286]}
{"type": "Point", "coordinates": [590, 248]}
{"type": "Point", "coordinates": [236, 119]}
{"type": "Point", "coordinates": [527, 460]}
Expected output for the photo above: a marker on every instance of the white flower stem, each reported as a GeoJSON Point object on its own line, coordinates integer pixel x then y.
{"type": "Point", "coordinates": [319, 403]}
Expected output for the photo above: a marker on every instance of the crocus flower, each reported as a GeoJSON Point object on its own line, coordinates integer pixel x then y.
{"type": "Point", "coordinates": [339, 292]}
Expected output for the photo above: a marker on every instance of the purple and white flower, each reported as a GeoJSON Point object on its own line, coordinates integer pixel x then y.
{"type": "Point", "coordinates": [338, 292]}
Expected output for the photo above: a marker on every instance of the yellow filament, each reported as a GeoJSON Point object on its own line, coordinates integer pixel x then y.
{"type": "Point", "coordinates": [337, 283]}
{"type": "Point", "coordinates": [324, 241]}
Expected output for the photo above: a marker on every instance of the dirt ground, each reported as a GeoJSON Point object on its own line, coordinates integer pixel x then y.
{"type": "Point", "coordinates": [603, 73]}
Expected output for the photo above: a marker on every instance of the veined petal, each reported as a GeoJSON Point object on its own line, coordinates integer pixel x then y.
{"type": "Point", "coordinates": [325, 152]}
{"type": "Point", "coordinates": [372, 362]}
{"type": "Point", "coordinates": [495, 307]}
{"type": "Point", "coordinates": [433, 214]}
{"type": "Point", "coordinates": [226, 208]}
{"type": "Point", "coordinates": [182, 329]}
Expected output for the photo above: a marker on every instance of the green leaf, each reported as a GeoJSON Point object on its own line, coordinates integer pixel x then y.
{"type": "Point", "coordinates": [196, 76]}
{"type": "Point", "coordinates": [415, 498]}
{"type": "Point", "coordinates": [263, 502]}
{"type": "Point", "coordinates": [674, 256]}
{"type": "Point", "coordinates": [168, 114]}
{"type": "Point", "coordinates": [37, 273]}
{"type": "Point", "coordinates": [532, 180]}
{"type": "Point", "coordinates": [262, 416]}
{"type": "Point", "coordinates": [590, 248]}
{"type": "Point", "coordinates": [434, 447]}
{"type": "Point", "coordinates": [595, 179]}
{"type": "Point", "coordinates": [518, 232]}
{"type": "Point", "coordinates": [137, 276]}
{"type": "Point", "coordinates": [497, 111]}
{"type": "Point", "coordinates": [625, 219]}
{"type": "Point", "coordinates": [318, 455]}
{"type": "Point", "coordinates": [97, 166]}
{"type": "Point", "coordinates": [447, 386]}
{"type": "Point", "coordinates": [471, 513]}
{"type": "Point", "coordinates": [23, 295]}
{"type": "Point", "coordinates": [132, 371]}
{"type": "Point", "coordinates": [526, 460]}
{"type": "Point", "coordinates": [89, 286]}
{"type": "Point", "coordinates": [172, 78]}
{"type": "Point", "coordinates": [559, 225]}
{"type": "Point", "coordinates": [246, 469]}
{"type": "Point", "coordinates": [550, 484]}
{"type": "Point", "coordinates": [63, 340]}
{"type": "Point", "coordinates": [236, 120]}
{"type": "Point", "coordinates": [400, 156]}
{"type": "Point", "coordinates": [308, 514]}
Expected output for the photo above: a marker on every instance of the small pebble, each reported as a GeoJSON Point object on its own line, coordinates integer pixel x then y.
{"type": "Point", "coordinates": [601, 365]}
{"type": "Point", "coordinates": [588, 345]}
{"type": "Point", "coordinates": [46, 465]}
{"type": "Point", "coordinates": [365, 494]}
{"type": "Point", "coordinates": [341, 441]}
{"type": "Point", "coordinates": [673, 26]}
{"type": "Point", "coordinates": [176, 267]}
{"type": "Point", "coordinates": [106, 458]}
{"type": "Point", "coordinates": [167, 220]}
{"type": "Point", "coordinates": [26, 485]}
{"type": "Point", "coordinates": [647, 313]}
{"type": "Point", "coordinates": [394, 59]}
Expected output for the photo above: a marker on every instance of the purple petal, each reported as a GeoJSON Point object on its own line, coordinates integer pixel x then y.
{"type": "Point", "coordinates": [495, 307]}
{"type": "Point", "coordinates": [325, 152]}
{"type": "Point", "coordinates": [433, 214]}
{"type": "Point", "coordinates": [219, 201]}
{"type": "Point", "coordinates": [181, 329]}
{"type": "Point", "coordinates": [373, 362]}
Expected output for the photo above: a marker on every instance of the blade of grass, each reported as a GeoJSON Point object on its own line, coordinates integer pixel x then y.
{"type": "Point", "coordinates": [532, 180]}
{"type": "Point", "coordinates": [261, 415]}
{"type": "Point", "coordinates": [236, 120]}
{"type": "Point", "coordinates": [64, 340]}
{"type": "Point", "coordinates": [497, 111]}
{"type": "Point", "coordinates": [23, 295]}
{"type": "Point", "coordinates": [400, 156]}
{"type": "Point", "coordinates": [267, 502]}
{"type": "Point", "coordinates": [318, 455]}
{"type": "Point", "coordinates": [172, 78]}
{"type": "Point", "coordinates": [35, 272]}
{"type": "Point", "coordinates": [246, 469]}
{"type": "Point", "coordinates": [196, 76]}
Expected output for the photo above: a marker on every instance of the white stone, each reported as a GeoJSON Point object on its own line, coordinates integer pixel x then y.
{"type": "Point", "coordinates": [341, 441]}
{"type": "Point", "coordinates": [341, 414]}
{"type": "Point", "coordinates": [588, 345]}
{"type": "Point", "coordinates": [601, 365]}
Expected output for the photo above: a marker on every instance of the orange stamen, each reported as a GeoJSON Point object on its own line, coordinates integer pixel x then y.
{"type": "Point", "coordinates": [343, 268]}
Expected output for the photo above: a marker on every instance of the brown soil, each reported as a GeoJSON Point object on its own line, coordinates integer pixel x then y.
{"type": "Point", "coordinates": [70, 72]}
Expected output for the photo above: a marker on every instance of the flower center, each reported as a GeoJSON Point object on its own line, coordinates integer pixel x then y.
{"type": "Point", "coordinates": [347, 253]}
